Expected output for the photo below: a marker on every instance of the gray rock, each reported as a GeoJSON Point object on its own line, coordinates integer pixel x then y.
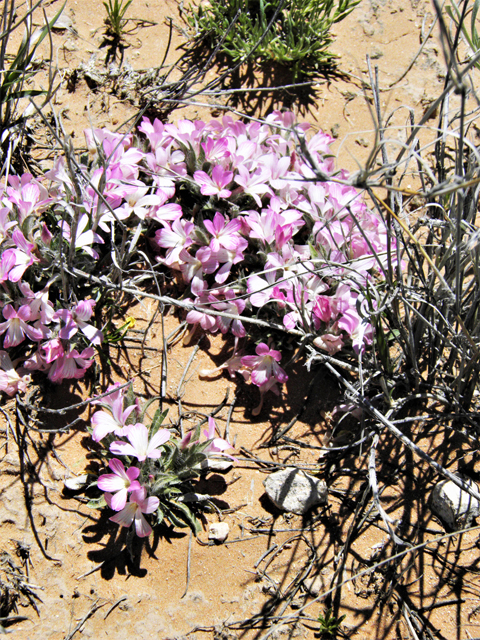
{"type": "Point", "coordinates": [314, 585]}
{"type": "Point", "coordinates": [455, 508]}
{"type": "Point", "coordinates": [294, 490]}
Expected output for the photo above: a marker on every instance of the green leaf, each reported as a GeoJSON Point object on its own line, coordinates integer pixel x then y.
{"type": "Point", "coordinates": [97, 503]}
{"type": "Point", "coordinates": [164, 482]}
{"type": "Point", "coordinates": [175, 520]}
{"type": "Point", "coordinates": [160, 516]}
{"type": "Point", "coordinates": [189, 517]}
{"type": "Point", "coordinates": [157, 421]}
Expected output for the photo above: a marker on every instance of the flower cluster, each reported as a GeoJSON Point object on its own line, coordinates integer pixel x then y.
{"type": "Point", "coordinates": [56, 338]}
{"type": "Point", "coordinates": [233, 209]}
{"type": "Point", "coordinates": [164, 464]}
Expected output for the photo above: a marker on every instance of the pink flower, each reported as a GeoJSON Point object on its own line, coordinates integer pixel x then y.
{"type": "Point", "coordinates": [16, 326]}
{"type": "Point", "coordinates": [214, 186]}
{"type": "Point", "coordinates": [7, 262]}
{"type": "Point", "coordinates": [84, 238]}
{"type": "Point", "coordinates": [225, 234]}
{"type": "Point", "coordinates": [254, 184]}
{"type": "Point", "coordinates": [234, 306]}
{"type": "Point", "coordinates": [138, 201]}
{"type": "Point", "coordinates": [263, 226]}
{"type": "Point", "coordinates": [134, 510]}
{"type": "Point", "coordinates": [24, 257]}
{"type": "Point", "coordinates": [71, 365]}
{"type": "Point", "coordinates": [141, 447]}
{"type": "Point", "coordinates": [185, 442]}
{"type": "Point", "coordinates": [29, 199]}
{"type": "Point", "coordinates": [155, 133]}
{"type": "Point", "coordinates": [330, 343]}
{"type": "Point", "coordinates": [359, 329]}
{"type": "Point", "coordinates": [217, 445]}
{"type": "Point", "coordinates": [10, 380]}
{"type": "Point", "coordinates": [38, 302]}
{"type": "Point", "coordinates": [174, 238]}
{"type": "Point", "coordinates": [263, 290]}
{"type": "Point", "coordinates": [195, 316]}
{"type": "Point", "coordinates": [5, 225]}
{"type": "Point", "coordinates": [52, 350]}
{"type": "Point", "coordinates": [322, 309]}
{"type": "Point", "coordinates": [104, 423]}
{"type": "Point", "coordinates": [215, 149]}
{"type": "Point", "coordinates": [115, 422]}
{"type": "Point", "coordinates": [166, 212]}
{"type": "Point", "coordinates": [77, 319]}
{"type": "Point", "coordinates": [193, 268]}
{"type": "Point", "coordinates": [120, 482]}
{"type": "Point", "coordinates": [265, 366]}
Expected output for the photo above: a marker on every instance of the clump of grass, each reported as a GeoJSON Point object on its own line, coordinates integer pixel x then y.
{"type": "Point", "coordinates": [461, 16]}
{"type": "Point", "coordinates": [16, 74]}
{"type": "Point", "coordinates": [294, 33]}
{"type": "Point", "coordinates": [115, 19]}
{"type": "Point", "coordinates": [329, 624]}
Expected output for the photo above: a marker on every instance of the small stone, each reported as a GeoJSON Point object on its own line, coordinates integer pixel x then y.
{"type": "Point", "coordinates": [376, 54]}
{"type": "Point", "coordinates": [218, 531]}
{"type": "Point", "coordinates": [368, 30]}
{"type": "Point", "coordinates": [314, 585]}
{"type": "Point", "coordinates": [335, 130]}
{"type": "Point", "coordinates": [78, 483]}
{"type": "Point", "coordinates": [69, 46]}
{"type": "Point", "coordinates": [294, 490]}
{"type": "Point", "coordinates": [216, 464]}
{"type": "Point", "coordinates": [297, 603]}
{"type": "Point", "coordinates": [455, 507]}
{"type": "Point", "coordinates": [62, 22]}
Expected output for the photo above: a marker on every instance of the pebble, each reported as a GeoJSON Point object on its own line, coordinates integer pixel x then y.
{"type": "Point", "coordinates": [455, 508]}
{"type": "Point", "coordinates": [216, 464]}
{"type": "Point", "coordinates": [218, 531]}
{"type": "Point", "coordinates": [293, 490]}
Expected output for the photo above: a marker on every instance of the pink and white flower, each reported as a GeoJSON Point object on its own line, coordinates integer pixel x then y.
{"type": "Point", "coordinates": [78, 319]}
{"type": "Point", "coordinates": [265, 365]}
{"type": "Point", "coordinates": [133, 511]}
{"type": "Point", "coordinates": [71, 365]}
{"type": "Point", "coordinates": [115, 422]}
{"type": "Point", "coordinates": [225, 234]}
{"type": "Point", "coordinates": [10, 379]}
{"type": "Point", "coordinates": [141, 446]}
{"type": "Point", "coordinates": [119, 483]}
{"type": "Point", "coordinates": [215, 185]}
{"type": "Point", "coordinates": [217, 445]}
{"type": "Point", "coordinates": [16, 326]}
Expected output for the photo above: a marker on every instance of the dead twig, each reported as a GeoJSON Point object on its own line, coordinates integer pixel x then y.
{"type": "Point", "coordinates": [95, 607]}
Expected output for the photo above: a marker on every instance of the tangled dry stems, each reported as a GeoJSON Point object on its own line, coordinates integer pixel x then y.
{"type": "Point", "coordinates": [426, 319]}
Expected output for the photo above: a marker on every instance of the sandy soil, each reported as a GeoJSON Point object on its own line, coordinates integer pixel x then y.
{"type": "Point", "coordinates": [82, 581]}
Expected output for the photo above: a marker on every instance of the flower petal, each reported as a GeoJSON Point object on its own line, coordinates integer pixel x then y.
{"type": "Point", "coordinates": [111, 482]}
{"type": "Point", "coordinates": [125, 517]}
{"type": "Point", "coordinates": [142, 528]}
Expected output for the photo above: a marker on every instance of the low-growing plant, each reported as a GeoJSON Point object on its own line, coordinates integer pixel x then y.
{"type": "Point", "coordinates": [115, 19]}
{"type": "Point", "coordinates": [154, 472]}
{"type": "Point", "coordinates": [329, 624]}
{"type": "Point", "coordinates": [262, 249]}
{"type": "Point", "coordinates": [295, 33]}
